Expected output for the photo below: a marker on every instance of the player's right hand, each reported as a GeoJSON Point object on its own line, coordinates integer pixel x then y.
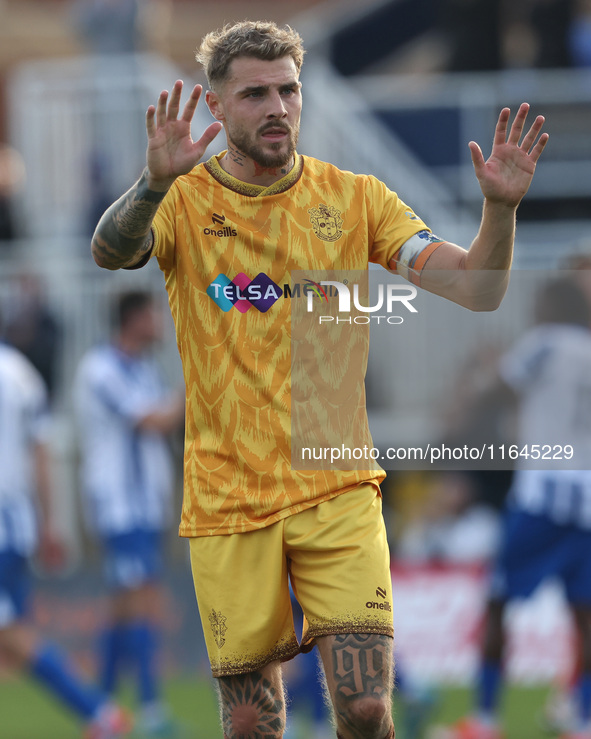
{"type": "Point", "coordinates": [171, 150]}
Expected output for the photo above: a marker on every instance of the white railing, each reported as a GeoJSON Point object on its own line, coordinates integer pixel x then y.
{"type": "Point", "coordinates": [472, 103]}
{"type": "Point", "coordinates": [339, 127]}
{"type": "Point", "coordinates": [79, 125]}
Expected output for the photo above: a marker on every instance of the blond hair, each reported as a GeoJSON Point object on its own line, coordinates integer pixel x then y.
{"type": "Point", "coordinates": [260, 39]}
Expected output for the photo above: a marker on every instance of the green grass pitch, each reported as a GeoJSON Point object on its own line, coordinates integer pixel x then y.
{"type": "Point", "coordinates": [26, 712]}
{"type": "Point", "coordinates": [521, 710]}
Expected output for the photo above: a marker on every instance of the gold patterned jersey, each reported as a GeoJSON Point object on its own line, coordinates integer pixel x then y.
{"type": "Point", "coordinates": [227, 250]}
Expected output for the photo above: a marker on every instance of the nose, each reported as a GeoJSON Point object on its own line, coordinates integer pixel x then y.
{"type": "Point", "coordinates": [277, 107]}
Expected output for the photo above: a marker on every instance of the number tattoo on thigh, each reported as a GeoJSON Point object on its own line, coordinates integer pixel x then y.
{"type": "Point", "coordinates": [362, 664]}
{"type": "Point", "coordinates": [362, 668]}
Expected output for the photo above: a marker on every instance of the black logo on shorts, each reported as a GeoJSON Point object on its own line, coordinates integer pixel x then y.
{"type": "Point", "coordinates": [218, 627]}
{"type": "Point", "coordinates": [384, 605]}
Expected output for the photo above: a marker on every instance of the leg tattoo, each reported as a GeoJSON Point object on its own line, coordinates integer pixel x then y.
{"type": "Point", "coordinates": [251, 707]}
{"type": "Point", "coordinates": [359, 673]}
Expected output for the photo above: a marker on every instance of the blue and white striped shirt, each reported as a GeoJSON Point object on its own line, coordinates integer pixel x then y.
{"type": "Point", "coordinates": [23, 424]}
{"type": "Point", "coordinates": [550, 370]}
{"type": "Point", "coordinates": [127, 474]}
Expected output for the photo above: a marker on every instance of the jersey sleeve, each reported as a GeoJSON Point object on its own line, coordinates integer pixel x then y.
{"type": "Point", "coordinates": [164, 228]}
{"type": "Point", "coordinates": [394, 223]}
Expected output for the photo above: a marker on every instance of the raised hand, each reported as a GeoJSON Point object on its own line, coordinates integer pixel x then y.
{"type": "Point", "coordinates": [171, 150]}
{"type": "Point", "coordinates": [506, 175]}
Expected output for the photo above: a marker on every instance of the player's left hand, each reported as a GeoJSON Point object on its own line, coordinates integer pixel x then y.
{"type": "Point", "coordinates": [506, 175]}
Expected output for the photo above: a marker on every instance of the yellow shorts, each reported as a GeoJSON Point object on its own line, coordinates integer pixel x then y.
{"type": "Point", "coordinates": [337, 558]}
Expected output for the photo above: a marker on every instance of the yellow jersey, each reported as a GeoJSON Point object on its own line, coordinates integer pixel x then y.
{"type": "Point", "coordinates": [227, 250]}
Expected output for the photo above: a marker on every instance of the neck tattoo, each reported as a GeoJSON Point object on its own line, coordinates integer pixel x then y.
{"type": "Point", "coordinates": [236, 156]}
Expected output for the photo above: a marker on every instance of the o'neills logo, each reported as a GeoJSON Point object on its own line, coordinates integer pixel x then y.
{"type": "Point", "coordinates": [224, 231]}
{"type": "Point", "coordinates": [384, 605]}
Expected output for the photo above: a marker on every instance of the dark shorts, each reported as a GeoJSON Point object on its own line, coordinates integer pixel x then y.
{"type": "Point", "coordinates": [133, 558]}
{"type": "Point", "coordinates": [535, 549]}
{"type": "Point", "coordinates": [14, 587]}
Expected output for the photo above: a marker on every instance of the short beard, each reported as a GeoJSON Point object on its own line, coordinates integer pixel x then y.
{"type": "Point", "coordinates": [268, 160]}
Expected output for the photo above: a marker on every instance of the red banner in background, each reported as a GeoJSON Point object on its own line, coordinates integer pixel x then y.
{"type": "Point", "coordinates": [438, 613]}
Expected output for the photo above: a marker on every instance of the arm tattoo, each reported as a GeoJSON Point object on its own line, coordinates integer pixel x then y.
{"type": "Point", "coordinates": [361, 667]}
{"type": "Point", "coordinates": [123, 235]}
{"type": "Point", "coordinates": [251, 707]}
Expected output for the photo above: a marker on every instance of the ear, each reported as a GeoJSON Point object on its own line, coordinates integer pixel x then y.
{"type": "Point", "coordinates": [215, 105]}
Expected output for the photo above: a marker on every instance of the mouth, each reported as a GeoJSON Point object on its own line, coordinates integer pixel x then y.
{"type": "Point", "coordinates": [274, 133]}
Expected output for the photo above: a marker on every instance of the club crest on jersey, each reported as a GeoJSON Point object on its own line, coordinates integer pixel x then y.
{"type": "Point", "coordinates": [326, 222]}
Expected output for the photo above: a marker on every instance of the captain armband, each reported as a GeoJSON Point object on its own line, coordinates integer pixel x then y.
{"type": "Point", "coordinates": [413, 255]}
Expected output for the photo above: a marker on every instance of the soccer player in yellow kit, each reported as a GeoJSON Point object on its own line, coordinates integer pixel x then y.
{"type": "Point", "coordinates": [227, 233]}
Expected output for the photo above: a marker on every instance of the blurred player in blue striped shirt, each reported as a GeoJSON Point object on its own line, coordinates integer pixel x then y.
{"type": "Point", "coordinates": [547, 531]}
{"type": "Point", "coordinates": [26, 527]}
{"type": "Point", "coordinates": [126, 414]}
